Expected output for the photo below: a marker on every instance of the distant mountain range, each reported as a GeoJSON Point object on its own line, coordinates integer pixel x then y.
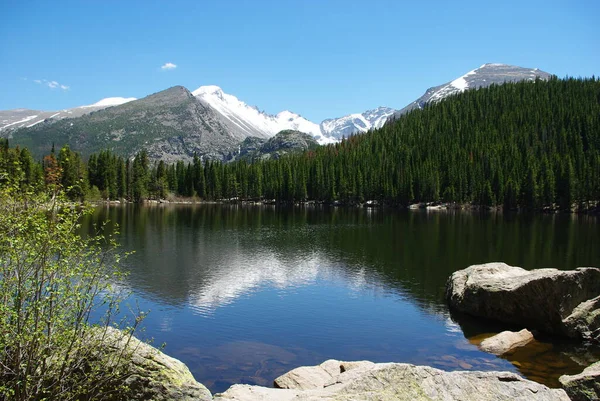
{"type": "Point", "coordinates": [176, 123]}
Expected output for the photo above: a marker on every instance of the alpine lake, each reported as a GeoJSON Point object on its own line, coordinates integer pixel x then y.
{"type": "Point", "coordinates": [245, 293]}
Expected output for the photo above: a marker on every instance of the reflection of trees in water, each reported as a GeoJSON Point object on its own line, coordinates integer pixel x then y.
{"type": "Point", "coordinates": [183, 250]}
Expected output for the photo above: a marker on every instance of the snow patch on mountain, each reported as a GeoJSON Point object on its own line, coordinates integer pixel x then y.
{"type": "Point", "coordinates": [345, 126]}
{"type": "Point", "coordinates": [253, 122]}
{"type": "Point", "coordinates": [22, 121]}
{"type": "Point", "coordinates": [110, 101]}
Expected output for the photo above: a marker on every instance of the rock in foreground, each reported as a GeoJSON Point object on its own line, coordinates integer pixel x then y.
{"type": "Point", "coordinates": [154, 375]}
{"type": "Point", "coordinates": [506, 341]}
{"type": "Point", "coordinates": [584, 386]}
{"type": "Point", "coordinates": [392, 381]}
{"type": "Point", "coordinates": [564, 303]}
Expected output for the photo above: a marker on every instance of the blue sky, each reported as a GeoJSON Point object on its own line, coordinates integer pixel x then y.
{"type": "Point", "coordinates": [318, 58]}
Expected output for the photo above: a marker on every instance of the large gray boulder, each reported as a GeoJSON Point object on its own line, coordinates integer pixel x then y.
{"type": "Point", "coordinates": [564, 303]}
{"type": "Point", "coordinates": [584, 386]}
{"type": "Point", "coordinates": [152, 375]}
{"type": "Point", "coordinates": [394, 381]}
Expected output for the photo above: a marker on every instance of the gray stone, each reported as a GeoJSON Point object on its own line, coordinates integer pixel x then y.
{"type": "Point", "coordinates": [585, 320]}
{"type": "Point", "coordinates": [550, 300]}
{"type": "Point", "coordinates": [152, 374]}
{"type": "Point", "coordinates": [397, 381]}
{"type": "Point", "coordinates": [584, 386]}
{"type": "Point", "coordinates": [306, 377]}
{"type": "Point", "coordinates": [506, 341]}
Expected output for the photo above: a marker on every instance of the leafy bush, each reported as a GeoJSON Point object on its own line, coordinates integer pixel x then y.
{"type": "Point", "coordinates": [52, 283]}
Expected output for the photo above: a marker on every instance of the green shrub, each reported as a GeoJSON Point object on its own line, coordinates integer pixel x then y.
{"type": "Point", "coordinates": [52, 281]}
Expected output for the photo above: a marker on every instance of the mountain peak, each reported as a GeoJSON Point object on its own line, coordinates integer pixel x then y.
{"type": "Point", "coordinates": [488, 65]}
{"type": "Point", "coordinates": [249, 120]}
{"type": "Point", "coordinates": [484, 76]}
{"type": "Point", "coordinates": [208, 90]}
{"type": "Point", "coordinates": [172, 95]}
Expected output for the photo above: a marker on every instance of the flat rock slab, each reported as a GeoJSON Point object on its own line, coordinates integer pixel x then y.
{"type": "Point", "coordinates": [398, 381]}
{"type": "Point", "coordinates": [506, 341]}
{"type": "Point", "coordinates": [565, 303]}
{"type": "Point", "coordinates": [308, 377]}
{"type": "Point", "coordinates": [584, 386]}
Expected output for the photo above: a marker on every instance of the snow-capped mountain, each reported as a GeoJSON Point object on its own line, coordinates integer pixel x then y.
{"type": "Point", "coordinates": [251, 121]}
{"type": "Point", "coordinates": [26, 118]}
{"type": "Point", "coordinates": [355, 123]}
{"type": "Point", "coordinates": [211, 122]}
{"type": "Point", "coordinates": [484, 76]}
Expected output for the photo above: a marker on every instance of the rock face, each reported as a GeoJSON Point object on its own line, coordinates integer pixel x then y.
{"type": "Point", "coordinates": [506, 341]}
{"type": "Point", "coordinates": [564, 303]}
{"type": "Point", "coordinates": [154, 375]}
{"type": "Point", "coordinates": [584, 386]}
{"type": "Point", "coordinates": [585, 319]}
{"type": "Point", "coordinates": [392, 381]}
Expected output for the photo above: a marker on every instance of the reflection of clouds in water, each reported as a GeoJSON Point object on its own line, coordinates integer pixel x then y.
{"type": "Point", "coordinates": [357, 280]}
{"type": "Point", "coordinates": [452, 326]}
{"type": "Point", "coordinates": [166, 323]}
{"type": "Point", "coordinates": [243, 275]}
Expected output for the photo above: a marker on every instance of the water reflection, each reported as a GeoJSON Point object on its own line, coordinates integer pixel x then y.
{"type": "Point", "coordinates": [296, 286]}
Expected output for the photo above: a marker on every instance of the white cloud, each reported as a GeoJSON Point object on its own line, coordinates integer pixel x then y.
{"type": "Point", "coordinates": [51, 84]}
{"type": "Point", "coordinates": [168, 66]}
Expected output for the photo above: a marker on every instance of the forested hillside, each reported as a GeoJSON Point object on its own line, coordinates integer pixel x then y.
{"type": "Point", "coordinates": [526, 144]}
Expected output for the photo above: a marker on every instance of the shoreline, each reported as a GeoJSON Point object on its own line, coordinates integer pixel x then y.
{"type": "Point", "coordinates": [376, 205]}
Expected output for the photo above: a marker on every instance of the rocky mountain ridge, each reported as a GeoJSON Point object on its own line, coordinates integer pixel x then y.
{"type": "Point", "coordinates": [19, 118]}
{"type": "Point", "coordinates": [176, 123]}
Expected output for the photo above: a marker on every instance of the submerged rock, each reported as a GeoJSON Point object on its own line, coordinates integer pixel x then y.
{"type": "Point", "coordinates": [564, 303]}
{"type": "Point", "coordinates": [392, 381]}
{"type": "Point", "coordinates": [506, 341]}
{"type": "Point", "coordinates": [584, 386]}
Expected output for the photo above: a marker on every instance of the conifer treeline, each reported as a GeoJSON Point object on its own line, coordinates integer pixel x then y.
{"type": "Point", "coordinates": [527, 144]}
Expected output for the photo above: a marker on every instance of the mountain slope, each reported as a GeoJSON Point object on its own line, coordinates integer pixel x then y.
{"type": "Point", "coordinates": [482, 77]}
{"type": "Point", "coordinates": [250, 121]}
{"type": "Point", "coordinates": [170, 125]}
{"type": "Point", "coordinates": [26, 118]}
{"type": "Point", "coordinates": [355, 123]}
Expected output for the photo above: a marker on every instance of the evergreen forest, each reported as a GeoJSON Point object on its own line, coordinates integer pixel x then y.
{"type": "Point", "coordinates": [529, 145]}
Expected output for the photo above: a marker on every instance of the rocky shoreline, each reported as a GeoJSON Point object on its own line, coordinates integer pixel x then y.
{"type": "Point", "coordinates": [370, 204]}
{"type": "Point", "coordinates": [563, 303]}
{"type": "Point", "coordinates": [161, 378]}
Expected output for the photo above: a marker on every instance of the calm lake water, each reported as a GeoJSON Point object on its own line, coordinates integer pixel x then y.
{"type": "Point", "coordinates": [242, 294]}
